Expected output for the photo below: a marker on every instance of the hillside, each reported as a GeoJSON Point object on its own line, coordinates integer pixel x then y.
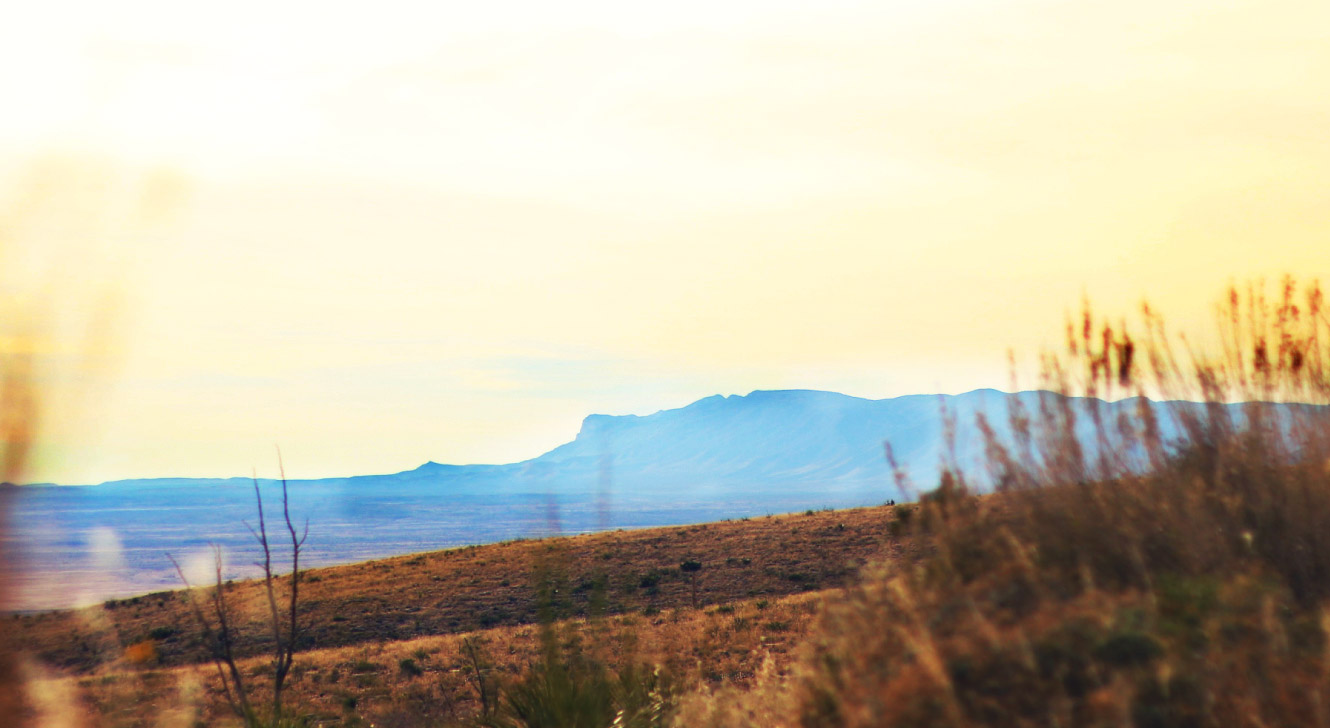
{"type": "Point", "coordinates": [430, 680]}
{"type": "Point", "coordinates": [466, 589]}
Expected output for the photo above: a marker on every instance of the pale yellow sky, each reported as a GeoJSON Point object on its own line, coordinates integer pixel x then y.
{"type": "Point", "coordinates": [449, 231]}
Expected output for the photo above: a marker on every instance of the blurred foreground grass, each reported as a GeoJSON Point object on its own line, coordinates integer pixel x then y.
{"type": "Point", "coordinates": [68, 223]}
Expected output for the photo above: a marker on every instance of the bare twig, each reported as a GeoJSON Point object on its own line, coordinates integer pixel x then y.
{"type": "Point", "coordinates": [219, 640]}
{"type": "Point", "coordinates": [285, 629]}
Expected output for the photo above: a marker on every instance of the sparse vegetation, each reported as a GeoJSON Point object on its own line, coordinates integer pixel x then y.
{"type": "Point", "coordinates": [409, 667]}
{"type": "Point", "coordinates": [357, 604]}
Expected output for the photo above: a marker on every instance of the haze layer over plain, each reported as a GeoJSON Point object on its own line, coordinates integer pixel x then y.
{"type": "Point", "coordinates": [448, 233]}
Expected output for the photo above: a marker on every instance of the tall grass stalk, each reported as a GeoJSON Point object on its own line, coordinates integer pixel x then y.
{"type": "Point", "coordinates": [1160, 561]}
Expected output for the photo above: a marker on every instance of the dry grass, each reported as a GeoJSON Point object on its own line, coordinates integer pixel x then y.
{"type": "Point", "coordinates": [428, 680]}
{"type": "Point", "coordinates": [1119, 577]}
{"type": "Point", "coordinates": [136, 662]}
{"type": "Point", "coordinates": [468, 589]}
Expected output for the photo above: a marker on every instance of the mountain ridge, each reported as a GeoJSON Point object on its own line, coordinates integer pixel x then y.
{"type": "Point", "coordinates": [589, 423]}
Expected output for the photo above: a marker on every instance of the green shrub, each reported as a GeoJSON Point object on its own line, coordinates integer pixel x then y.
{"type": "Point", "coordinates": [360, 667]}
{"type": "Point", "coordinates": [1129, 649]}
{"type": "Point", "coordinates": [163, 633]}
{"type": "Point", "coordinates": [409, 667]}
{"type": "Point", "coordinates": [569, 688]}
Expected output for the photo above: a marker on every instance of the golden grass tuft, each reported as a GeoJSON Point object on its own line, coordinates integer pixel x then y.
{"type": "Point", "coordinates": [1118, 576]}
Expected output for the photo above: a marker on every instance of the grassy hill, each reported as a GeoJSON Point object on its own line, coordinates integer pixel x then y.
{"type": "Point", "coordinates": [384, 639]}
{"type": "Point", "coordinates": [466, 589]}
{"type": "Point", "coordinates": [429, 681]}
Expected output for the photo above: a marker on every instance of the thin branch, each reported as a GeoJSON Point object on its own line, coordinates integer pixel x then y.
{"type": "Point", "coordinates": [219, 640]}
{"type": "Point", "coordinates": [286, 648]}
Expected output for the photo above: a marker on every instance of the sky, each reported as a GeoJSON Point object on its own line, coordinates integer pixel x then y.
{"type": "Point", "coordinates": [448, 231]}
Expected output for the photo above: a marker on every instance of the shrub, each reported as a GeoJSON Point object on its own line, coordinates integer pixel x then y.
{"type": "Point", "coordinates": [570, 688]}
{"type": "Point", "coordinates": [409, 667]}
{"type": "Point", "coordinates": [215, 618]}
{"type": "Point", "coordinates": [360, 667]}
{"type": "Point", "coordinates": [494, 617]}
{"type": "Point", "coordinates": [163, 633]}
